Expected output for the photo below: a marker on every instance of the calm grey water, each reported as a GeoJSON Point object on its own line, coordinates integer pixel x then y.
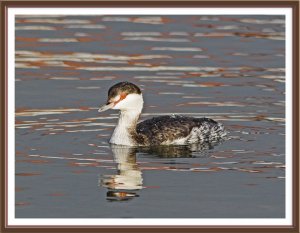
{"type": "Point", "coordinates": [229, 68]}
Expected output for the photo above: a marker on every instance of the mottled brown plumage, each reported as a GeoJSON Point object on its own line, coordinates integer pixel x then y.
{"type": "Point", "coordinates": [159, 130]}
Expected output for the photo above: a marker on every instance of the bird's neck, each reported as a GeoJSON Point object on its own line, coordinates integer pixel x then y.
{"type": "Point", "coordinates": [126, 127]}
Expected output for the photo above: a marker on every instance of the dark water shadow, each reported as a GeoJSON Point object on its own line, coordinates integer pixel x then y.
{"type": "Point", "coordinates": [178, 151]}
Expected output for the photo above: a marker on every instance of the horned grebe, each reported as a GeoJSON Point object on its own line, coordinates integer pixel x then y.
{"type": "Point", "coordinates": [162, 130]}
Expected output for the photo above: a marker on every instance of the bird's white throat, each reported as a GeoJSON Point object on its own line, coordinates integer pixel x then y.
{"type": "Point", "coordinates": [131, 108]}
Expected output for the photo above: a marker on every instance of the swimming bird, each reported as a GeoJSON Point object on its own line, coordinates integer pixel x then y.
{"type": "Point", "coordinates": [163, 130]}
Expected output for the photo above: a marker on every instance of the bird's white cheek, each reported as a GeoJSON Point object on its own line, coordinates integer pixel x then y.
{"type": "Point", "coordinates": [123, 104]}
{"type": "Point", "coordinates": [132, 101]}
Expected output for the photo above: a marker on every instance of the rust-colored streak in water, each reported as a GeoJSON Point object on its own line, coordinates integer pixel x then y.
{"type": "Point", "coordinates": [28, 174]}
{"type": "Point", "coordinates": [26, 39]}
{"type": "Point", "coordinates": [23, 203]}
{"type": "Point", "coordinates": [19, 189]}
{"type": "Point", "coordinates": [35, 161]}
{"type": "Point", "coordinates": [57, 194]}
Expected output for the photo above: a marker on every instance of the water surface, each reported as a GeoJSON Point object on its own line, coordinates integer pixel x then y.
{"type": "Point", "coordinates": [229, 68]}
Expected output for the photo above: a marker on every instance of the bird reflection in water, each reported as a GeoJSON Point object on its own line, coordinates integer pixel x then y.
{"type": "Point", "coordinates": [124, 185]}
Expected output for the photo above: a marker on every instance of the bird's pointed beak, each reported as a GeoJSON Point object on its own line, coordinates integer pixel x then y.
{"type": "Point", "coordinates": [106, 107]}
